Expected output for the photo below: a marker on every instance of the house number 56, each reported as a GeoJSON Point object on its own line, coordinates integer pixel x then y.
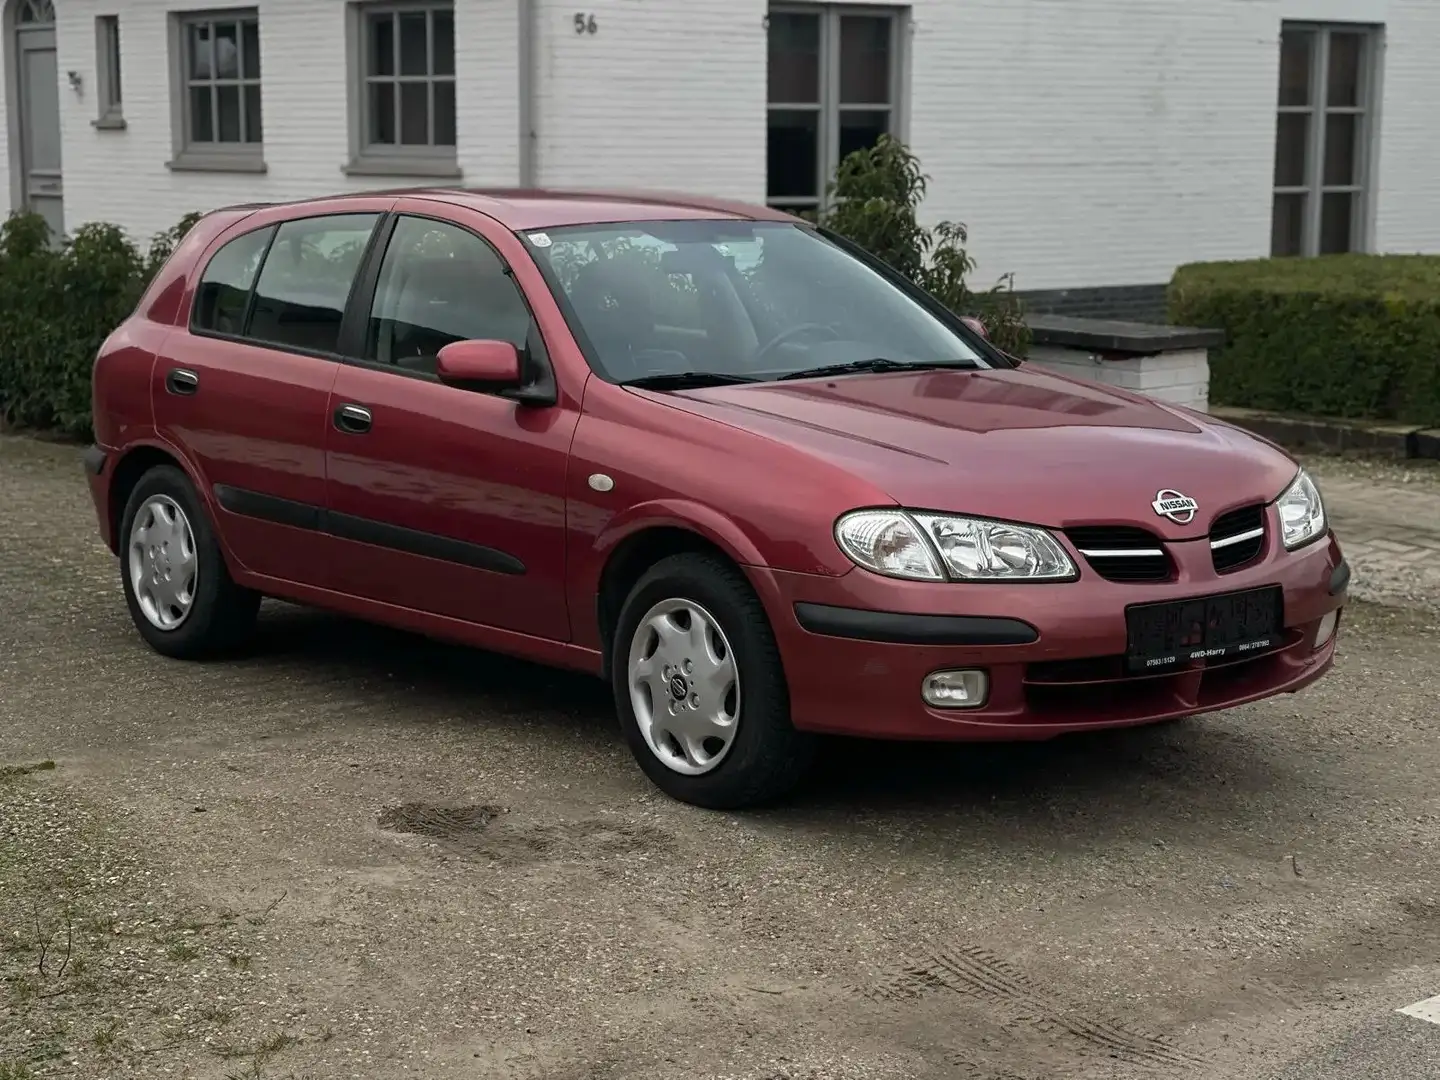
{"type": "Point", "coordinates": [584, 24]}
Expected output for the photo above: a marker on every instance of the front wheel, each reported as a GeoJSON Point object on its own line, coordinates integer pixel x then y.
{"type": "Point", "coordinates": [700, 689]}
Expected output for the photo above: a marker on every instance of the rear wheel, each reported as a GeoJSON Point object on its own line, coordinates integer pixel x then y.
{"type": "Point", "coordinates": [700, 689]}
{"type": "Point", "coordinates": [179, 591]}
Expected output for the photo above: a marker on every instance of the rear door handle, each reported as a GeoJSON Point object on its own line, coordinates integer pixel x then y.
{"type": "Point", "coordinates": [352, 419]}
{"type": "Point", "coordinates": [181, 381]}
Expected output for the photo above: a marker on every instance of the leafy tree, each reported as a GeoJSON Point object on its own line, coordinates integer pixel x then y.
{"type": "Point", "coordinates": [874, 201]}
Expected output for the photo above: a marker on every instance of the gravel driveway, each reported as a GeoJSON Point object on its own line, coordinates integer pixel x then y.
{"type": "Point", "coordinates": [356, 853]}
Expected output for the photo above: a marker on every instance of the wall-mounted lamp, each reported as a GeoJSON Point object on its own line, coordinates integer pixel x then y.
{"type": "Point", "coordinates": [77, 81]}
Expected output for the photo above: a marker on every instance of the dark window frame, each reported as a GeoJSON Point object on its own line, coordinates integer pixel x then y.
{"type": "Point", "coordinates": [109, 84]}
{"type": "Point", "coordinates": [828, 105]}
{"type": "Point", "coordinates": [215, 155]}
{"type": "Point", "coordinates": [1317, 111]}
{"type": "Point", "coordinates": [385, 159]}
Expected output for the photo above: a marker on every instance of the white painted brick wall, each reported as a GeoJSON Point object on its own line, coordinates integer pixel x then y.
{"type": "Point", "coordinates": [1085, 142]}
{"type": "Point", "coordinates": [121, 176]}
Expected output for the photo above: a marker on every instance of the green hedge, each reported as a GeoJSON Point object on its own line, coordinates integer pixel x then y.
{"type": "Point", "coordinates": [1354, 336]}
{"type": "Point", "coordinates": [57, 305]}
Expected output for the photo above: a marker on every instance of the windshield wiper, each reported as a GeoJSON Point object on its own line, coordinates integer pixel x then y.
{"type": "Point", "coordinates": [874, 364]}
{"type": "Point", "coordinates": [686, 380]}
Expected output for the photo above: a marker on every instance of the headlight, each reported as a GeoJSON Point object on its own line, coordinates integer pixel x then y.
{"type": "Point", "coordinates": [1302, 514]}
{"type": "Point", "coordinates": [906, 545]}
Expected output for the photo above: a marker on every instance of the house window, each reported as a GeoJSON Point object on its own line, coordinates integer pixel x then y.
{"type": "Point", "coordinates": [218, 108]}
{"type": "Point", "coordinates": [107, 72]}
{"type": "Point", "coordinates": [1323, 139]}
{"type": "Point", "coordinates": [834, 87]}
{"type": "Point", "coordinates": [406, 88]}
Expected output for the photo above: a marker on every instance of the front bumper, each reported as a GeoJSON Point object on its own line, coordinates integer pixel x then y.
{"type": "Point", "coordinates": [857, 648]}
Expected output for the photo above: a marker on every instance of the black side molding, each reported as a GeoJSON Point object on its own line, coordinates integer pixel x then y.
{"type": "Point", "coordinates": [301, 515]}
{"type": "Point", "coordinates": [415, 542]}
{"type": "Point", "coordinates": [898, 628]}
{"type": "Point", "coordinates": [1339, 578]}
{"type": "Point", "coordinates": [270, 508]}
{"type": "Point", "coordinates": [95, 460]}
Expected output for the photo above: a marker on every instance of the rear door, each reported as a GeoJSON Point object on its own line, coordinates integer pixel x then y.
{"type": "Point", "coordinates": [447, 500]}
{"type": "Point", "coordinates": [243, 390]}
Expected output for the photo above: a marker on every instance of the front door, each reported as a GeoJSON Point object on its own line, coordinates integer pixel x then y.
{"type": "Point", "coordinates": [447, 500]}
{"type": "Point", "coordinates": [39, 110]}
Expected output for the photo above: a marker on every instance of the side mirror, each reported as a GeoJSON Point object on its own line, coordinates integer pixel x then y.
{"type": "Point", "coordinates": [976, 325]}
{"type": "Point", "coordinates": [492, 365]}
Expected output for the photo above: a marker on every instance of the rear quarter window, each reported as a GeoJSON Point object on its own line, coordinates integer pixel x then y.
{"type": "Point", "coordinates": [224, 289]}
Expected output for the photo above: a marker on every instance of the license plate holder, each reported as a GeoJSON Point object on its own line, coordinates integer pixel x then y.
{"type": "Point", "coordinates": [1176, 633]}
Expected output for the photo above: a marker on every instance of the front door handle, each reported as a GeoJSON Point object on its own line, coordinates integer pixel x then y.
{"type": "Point", "coordinates": [181, 381]}
{"type": "Point", "coordinates": [352, 419]}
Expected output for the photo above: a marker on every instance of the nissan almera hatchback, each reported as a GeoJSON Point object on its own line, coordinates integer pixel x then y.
{"type": "Point", "coordinates": [730, 463]}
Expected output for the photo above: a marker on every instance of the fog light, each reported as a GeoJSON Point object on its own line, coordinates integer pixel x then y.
{"type": "Point", "coordinates": [1326, 629]}
{"type": "Point", "coordinates": [955, 689]}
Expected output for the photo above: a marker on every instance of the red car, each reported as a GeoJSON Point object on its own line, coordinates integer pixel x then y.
{"type": "Point", "coordinates": [732, 463]}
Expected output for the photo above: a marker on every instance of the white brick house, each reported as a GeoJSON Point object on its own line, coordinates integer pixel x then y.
{"type": "Point", "coordinates": [1089, 144]}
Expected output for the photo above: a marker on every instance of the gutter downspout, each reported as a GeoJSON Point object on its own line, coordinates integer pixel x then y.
{"type": "Point", "coordinates": [527, 11]}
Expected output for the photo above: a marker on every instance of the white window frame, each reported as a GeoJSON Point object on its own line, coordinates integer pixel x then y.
{"type": "Point", "coordinates": [242, 157]}
{"type": "Point", "coordinates": [1366, 111]}
{"type": "Point", "coordinates": [829, 106]}
{"type": "Point", "coordinates": [108, 84]}
{"type": "Point", "coordinates": [372, 159]}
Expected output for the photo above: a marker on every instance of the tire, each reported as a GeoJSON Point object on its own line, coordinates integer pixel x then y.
{"type": "Point", "coordinates": [219, 614]}
{"type": "Point", "coordinates": [765, 757]}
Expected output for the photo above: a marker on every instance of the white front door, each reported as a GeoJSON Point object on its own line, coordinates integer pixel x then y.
{"type": "Point", "coordinates": [39, 111]}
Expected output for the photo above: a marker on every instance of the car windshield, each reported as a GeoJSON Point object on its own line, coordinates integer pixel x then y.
{"type": "Point", "coordinates": [734, 301]}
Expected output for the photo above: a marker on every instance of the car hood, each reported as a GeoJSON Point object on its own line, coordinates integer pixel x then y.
{"type": "Point", "coordinates": [1019, 444]}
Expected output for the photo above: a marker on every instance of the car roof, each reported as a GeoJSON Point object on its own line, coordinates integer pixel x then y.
{"type": "Point", "coordinates": [521, 209]}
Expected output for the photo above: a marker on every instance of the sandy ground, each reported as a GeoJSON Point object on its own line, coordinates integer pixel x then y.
{"type": "Point", "coordinates": [355, 853]}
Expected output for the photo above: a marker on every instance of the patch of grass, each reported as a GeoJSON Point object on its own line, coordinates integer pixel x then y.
{"type": "Point", "coordinates": [15, 1070]}
{"type": "Point", "coordinates": [105, 1037]}
{"type": "Point", "coordinates": [8, 772]}
{"type": "Point", "coordinates": [181, 951]}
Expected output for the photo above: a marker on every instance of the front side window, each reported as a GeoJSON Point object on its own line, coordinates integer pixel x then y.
{"type": "Point", "coordinates": [1324, 138]}
{"type": "Point", "coordinates": [219, 90]}
{"type": "Point", "coordinates": [438, 284]}
{"type": "Point", "coordinates": [752, 300]}
{"type": "Point", "coordinates": [224, 290]}
{"type": "Point", "coordinates": [834, 88]}
{"type": "Point", "coordinates": [406, 83]}
{"type": "Point", "coordinates": [306, 280]}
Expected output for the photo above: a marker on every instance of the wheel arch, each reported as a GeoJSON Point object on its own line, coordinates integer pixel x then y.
{"type": "Point", "coordinates": [130, 466]}
{"type": "Point", "coordinates": [628, 560]}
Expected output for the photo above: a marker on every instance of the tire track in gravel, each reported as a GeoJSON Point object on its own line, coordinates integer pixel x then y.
{"type": "Point", "coordinates": [977, 973]}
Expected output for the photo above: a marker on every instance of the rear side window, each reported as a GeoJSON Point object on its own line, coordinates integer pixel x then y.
{"type": "Point", "coordinates": [306, 280]}
{"type": "Point", "coordinates": [440, 283]}
{"type": "Point", "coordinates": [225, 286]}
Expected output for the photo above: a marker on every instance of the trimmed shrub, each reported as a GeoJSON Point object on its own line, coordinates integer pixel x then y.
{"type": "Point", "coordinates": [876, 195]}
{"type": "Point", "coordinates": [1352, 336]}
{"type": "Point", "coordinates": [57, 306]}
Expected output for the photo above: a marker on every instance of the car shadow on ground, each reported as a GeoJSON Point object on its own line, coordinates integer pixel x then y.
{"type": "Point", "coordinates": [1167, 773]}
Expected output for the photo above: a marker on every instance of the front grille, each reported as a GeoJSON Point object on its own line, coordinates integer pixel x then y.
{"type": "Point", "coordinates": [1237, 537]}
{"type": "Point", "coordinates": [1122, 552]}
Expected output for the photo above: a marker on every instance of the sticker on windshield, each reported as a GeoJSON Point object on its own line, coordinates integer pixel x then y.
{"type": "Point", "coordinates": [540, 239]}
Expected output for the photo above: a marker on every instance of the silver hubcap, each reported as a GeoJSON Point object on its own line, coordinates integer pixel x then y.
{"type": "Point", "coordinates": [163, 563]}
{"type": "Point", "coordinates": [684, 686]}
